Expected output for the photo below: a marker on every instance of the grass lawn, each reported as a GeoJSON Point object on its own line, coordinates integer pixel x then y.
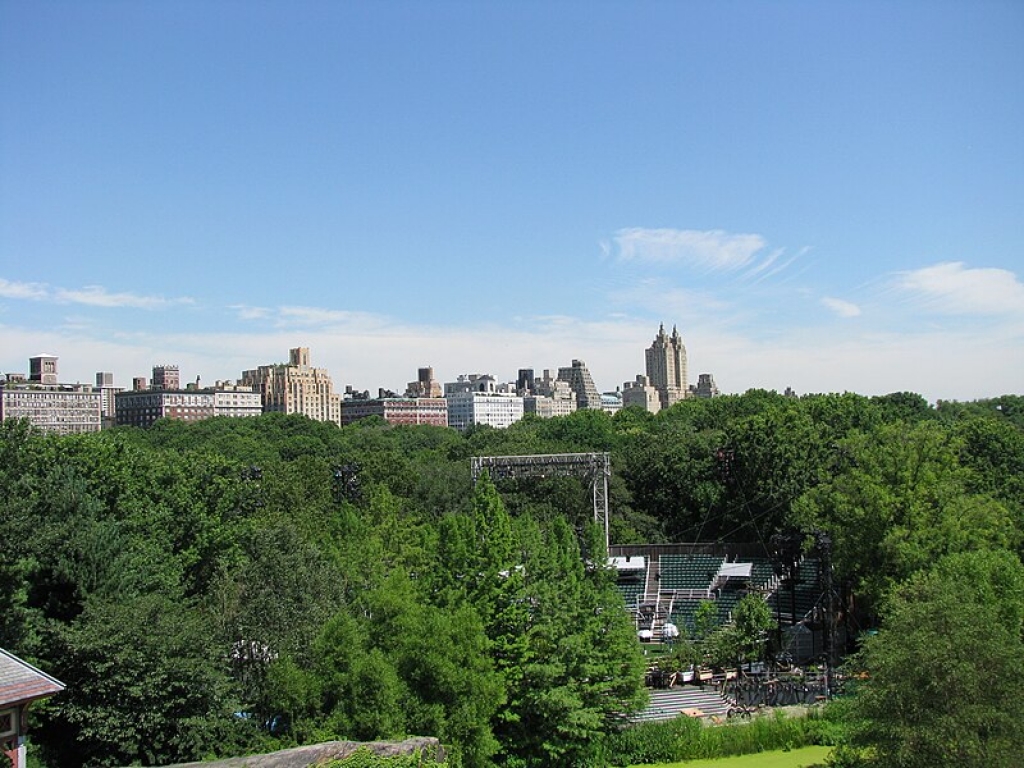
{"type": "Point", "coordinates": [795, 758]}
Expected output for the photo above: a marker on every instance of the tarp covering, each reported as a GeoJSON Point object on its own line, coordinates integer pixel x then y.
{"type": "Point", "coordinates": [634, 563]}
{"type": "Point", "coordinates": [736, 570]}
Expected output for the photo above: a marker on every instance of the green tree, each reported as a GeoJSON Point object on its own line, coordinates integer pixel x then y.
{"type": "Point", "coordinates": [145, 683]}
{"type": "Point", "coordinates": [580, 669]}
{"type": "Point", "coordinates": [900, 502]}
{"type": "Point", "coordinates": [671, 477]}
{"type": "Point", "coordinates": [903, 406]}
{"type": "Point", "coordinates": [753, 620]}
{"type": "Point", "coordinates": [407, 666]}
{"type": "Point", "coordinates": [705, 619]}
{"type": "Point", "coordinates": [944, 682]}
{"type": "Point", "coordinates": [271, 605]}
{"type": "Point", "coordinates": [993, 449]}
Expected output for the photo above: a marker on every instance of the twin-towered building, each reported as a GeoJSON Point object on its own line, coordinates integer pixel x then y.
{"type": "Point", "coordinates": [299, 387]}
{"type": "Point", "coordinates": [665, 382]}
{"type": "Point", "coordinates": [666, 367]}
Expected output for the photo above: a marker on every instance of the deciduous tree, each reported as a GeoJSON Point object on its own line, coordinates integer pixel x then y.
{"type": "Point", "coordinates": [944, 684]}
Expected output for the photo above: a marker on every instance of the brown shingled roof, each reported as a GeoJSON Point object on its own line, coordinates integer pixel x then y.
{"type": "Point", "coordinates": [20, 682]}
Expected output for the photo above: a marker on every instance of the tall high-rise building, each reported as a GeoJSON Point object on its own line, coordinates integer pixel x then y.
{"type": "Point", "coordinates": [296, 387]}
{"type": "Point", "coordinates": [105, 386]}
{"type": "Point", "coordinates": [524, 381]}
{"type": "Point", "coordinates": [666, 366]}
{"type": "Point", "coordinates": [582, 384]}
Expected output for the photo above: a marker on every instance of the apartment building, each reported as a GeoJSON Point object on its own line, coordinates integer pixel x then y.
{"type": "Point", "coordinates": [296, 387]}
{"type": "Point", "coordinates": [578, 377]}
{"type": "Point", "coordinates": [641, 394]}
{"type": "Point", "coordinates": [479, 399]}
{"type": "Point", "coordinates": [397, 410]}
{"type": "Point", "coordinates": [140, 408]}
{"type": "Point", "coordinates": [63, 409]}
{"type": "Point", "coordinates": [666, 366]}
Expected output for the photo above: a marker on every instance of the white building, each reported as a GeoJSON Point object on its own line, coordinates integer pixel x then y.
{"type": "Point", "coordinates": [548, 407]}
{"type": "Point", "coordinates": [236, 400]}
{"type": "Point", "coordinates": [61, 408]}
{"type": "Point", "coordinates": [611, 402]}
{"type": "Point", "coordinates": [641, 393]}
{"type": "Point", "coordinates": [478, 399]}
{"type": "Point", "coordinates": [547, 397]}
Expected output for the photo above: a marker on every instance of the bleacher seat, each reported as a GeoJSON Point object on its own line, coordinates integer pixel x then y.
{"type": "Point", "coordinates": [688, 571]}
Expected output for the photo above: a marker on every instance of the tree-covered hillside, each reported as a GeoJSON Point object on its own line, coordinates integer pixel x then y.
{"type": "Point", "coordinates": [237, 584]}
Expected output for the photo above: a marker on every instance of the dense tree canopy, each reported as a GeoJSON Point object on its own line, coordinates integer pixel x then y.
{"type": "Point", "coordinates": [240, 583]}
{"type": "Point", "coordinates": [944, 682]}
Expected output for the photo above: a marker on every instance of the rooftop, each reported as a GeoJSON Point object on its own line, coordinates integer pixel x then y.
{"type": "Point", "coordinates": [20, 682]}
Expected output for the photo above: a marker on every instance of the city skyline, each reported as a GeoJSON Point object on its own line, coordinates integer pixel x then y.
{"type": "Point", "coordinates": [819, 197]}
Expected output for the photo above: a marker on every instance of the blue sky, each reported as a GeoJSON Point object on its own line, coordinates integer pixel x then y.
{"type": "Point", "coordinates": [828, 196]}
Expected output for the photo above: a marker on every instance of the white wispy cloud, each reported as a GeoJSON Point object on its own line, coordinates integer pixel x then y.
{"type": "Point", "coordinates": [953, 288]}
{"type": "Point", "coordinates": [98, 296]}
{"type": "Point", "coordinates": [673, 302]}
{"type": "Point", "coordinates": [711, 250]}
{"type": "Point", "coordinates": [308, 317]}
{"type": "Point", "coordinates": [15, 290]}
{"type": "Point", "coordinates": [769, 267]}
{"type": "Point", "coordinates": [90, 295]}
{"type": "Point", "coordinates": [313, 315]}
{"type": "Point", "coordinates": [245, 312]}
{"type": "Point", "coordinates": [841, 307]}
{"type": "Point", "coordinates": [764, 263]}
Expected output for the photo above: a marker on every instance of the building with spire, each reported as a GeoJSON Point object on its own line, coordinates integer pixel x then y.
{"type": "Point", "coordinates": [666, 367]}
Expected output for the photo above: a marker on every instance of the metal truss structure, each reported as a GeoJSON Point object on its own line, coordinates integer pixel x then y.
{"type": "Point", "coordinates": [593, 467]}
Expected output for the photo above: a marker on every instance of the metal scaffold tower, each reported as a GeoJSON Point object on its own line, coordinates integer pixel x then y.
{"type": "Point", "coordinates": [594, 467]}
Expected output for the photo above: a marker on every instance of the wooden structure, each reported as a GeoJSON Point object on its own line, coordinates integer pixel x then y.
{"type": "Point", "coordinates": [20, 685]}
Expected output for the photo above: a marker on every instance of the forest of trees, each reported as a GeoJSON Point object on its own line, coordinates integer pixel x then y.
{"type": "Point", "coordinates": [235, 585]}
